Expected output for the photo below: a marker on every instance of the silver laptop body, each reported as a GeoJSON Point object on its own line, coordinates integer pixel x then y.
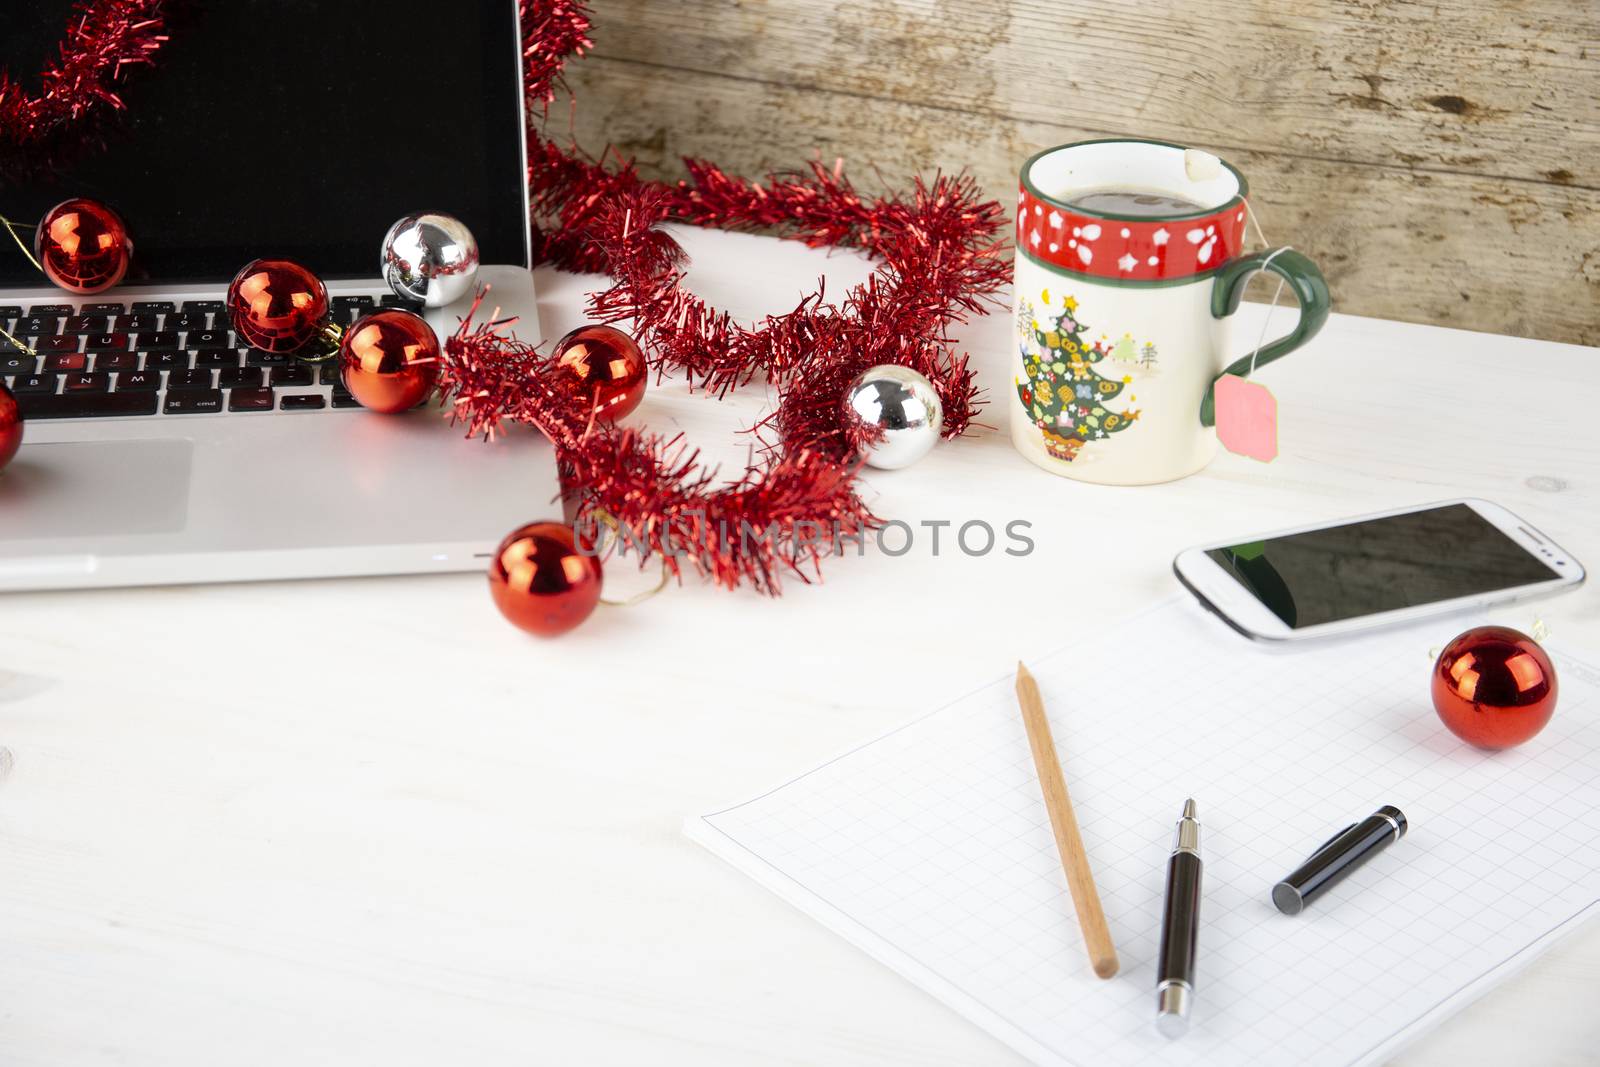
{"type": "Point", "coordinates": [289, 478]}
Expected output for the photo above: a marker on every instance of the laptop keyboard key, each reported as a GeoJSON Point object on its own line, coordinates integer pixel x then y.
{"type": "Point", "coordinates": [342, 399]}
{"type": "Point", "coordinates": [199, 378]}
{"type": "Point", "coordinates": [304, 402]}
{"type": "Point", "coordinates": [35, 383]}
{"type": "Point", "coordinates": [56, 310]}
{"type": "Point", "coordinates": [330, 374]}
{"type": "Point", "coordinates": [154, 307]}
{"type": "Point", "coordinates": [18, 363]}
{"type": "Point", "coordinates": [85, 405]}
{"type": "Point", "coordinates": [118, 361]}
{"type": "Point", "coordinates": [66, 362]}
{"type": "Point", "coordinates": [84, 324]}
{"type": "Point", "coordinates": [106, 342]}
{"type": "Point", "coordinates": [103, 309]}
{"type": "Point", "coordinates": [207, 339]}
{"type": "Point", "coordinates": [299, 374]}
{"type": "Point", "coordinates": [87, 383]}
{"type": "Point", "coordinates": [162, 340]}
{"type": "Point", "coordinates": [250, 400]}
{"type": "Point", "coordinates": [204, 305]}
{"type": "Point", "coordinates": [47, 346]}
{"type": "Point", "coordinates": [135, 323]}
{"type": "Point", "coordinates": [257, 358]}
{"type": "Point", "coordinates": [166, 361]}
{"type": "Point", "coordinates": [188, 320]}
{"type": "Point", "coordinates": [139, 381]}
{"type": "Point", "coordinates": [216, 357]}
{"type": "Point", "coordinates": [190, 401]}
{"type": "Point", "coordinates": [10, 311]}
{"type": "Point", "coordinates": [233, 377]}
{"type": "Point", "coordinates": [36, 325]}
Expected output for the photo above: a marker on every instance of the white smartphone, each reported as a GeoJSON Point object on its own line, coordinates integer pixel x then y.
{"type": "Point", "coordinates": [1376, 570]}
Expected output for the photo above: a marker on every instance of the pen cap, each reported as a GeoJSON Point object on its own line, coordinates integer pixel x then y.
{"type": "Point", "coordinates": [1333, 862]}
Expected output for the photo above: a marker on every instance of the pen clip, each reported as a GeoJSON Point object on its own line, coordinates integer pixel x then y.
{"type": "Point", "coordinates": [1320, 849]}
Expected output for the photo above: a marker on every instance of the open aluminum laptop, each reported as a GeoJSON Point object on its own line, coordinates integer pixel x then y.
{"type": "Point", "coordinates": [298, 129]}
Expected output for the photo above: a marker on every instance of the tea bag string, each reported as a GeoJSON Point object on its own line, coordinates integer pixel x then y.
{"type": "Point", "coordinates": [1250, 214]}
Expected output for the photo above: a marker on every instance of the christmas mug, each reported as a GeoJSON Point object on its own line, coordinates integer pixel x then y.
{"type": "Point", "coordinates": [1128, 271]}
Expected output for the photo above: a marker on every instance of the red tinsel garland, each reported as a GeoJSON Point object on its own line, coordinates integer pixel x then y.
{"type": "Point", "coordinates": [781, 517]}
{"type": "Point", "coordinates": [939, 261]}
{"type": "Point", "coordinates": [103, 36]}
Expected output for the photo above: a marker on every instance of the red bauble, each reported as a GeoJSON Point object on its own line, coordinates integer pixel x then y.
{"type": "Point", "coordinates": [276, 305]}
{"type": "Point", "coordinates": [605, 366]}
{"type": "Point", "coordinates": [83, 246]}
{"type": "Point", "coordinates": [10, 426]}
{"type": "Point", "coordinates": [1494, 687]}
{"type": "Point", "coordinates": [541, 582]}
{"type": "Point", "coordinates": [390, 360]}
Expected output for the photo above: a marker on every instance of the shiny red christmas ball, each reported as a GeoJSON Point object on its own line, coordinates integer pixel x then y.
{"type": "Point", "coordinates": [276, 305]}
{"type": "Point", "coordinates": [1494, 687]}
{"type": "Point", "coordinates": [83, 246]}
{"type": "Point", "coordinates": [10, 426]}
{"type": "Point", "coordinates": [605, 366]}
{"type": "Point", "coordinates": [541, 582]}
{"type": "Point", "coordinates": [390, 360]}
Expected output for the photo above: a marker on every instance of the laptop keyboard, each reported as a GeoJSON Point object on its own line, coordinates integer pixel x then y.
{"type": "Point", "coordinates": [102, 359]}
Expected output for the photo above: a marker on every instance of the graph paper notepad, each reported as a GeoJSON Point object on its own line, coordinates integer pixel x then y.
{"type": "Point", "coordinates": [930, 847]}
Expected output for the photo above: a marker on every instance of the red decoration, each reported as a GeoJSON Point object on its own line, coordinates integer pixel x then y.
{"type": "Point", "coordinates": [541, 582]}
{"type": "Point", "coordinates": [390, 360]}
{"type": "Point", "coordinates": [83, 246]}
{"type": "Point", "coordinates": [551, 31]}
{"type": "Point", "coordinates": [103, 37]}
{"type": "Point", "coordinates": [10, 426]}
{"type": "Point", "coordinates": [276, 305]}
{"type": "Point", "coordinates": [1494, 687]}
{"type": "Point", "coordinates": [605, 368]}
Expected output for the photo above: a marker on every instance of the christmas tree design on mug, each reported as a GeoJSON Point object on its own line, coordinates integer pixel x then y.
{"type": "Point", "coordinates": [1066, 393]}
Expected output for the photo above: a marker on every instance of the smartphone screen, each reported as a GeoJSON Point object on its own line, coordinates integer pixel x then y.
{"type": "Point", "coordinates": [1377, 565]}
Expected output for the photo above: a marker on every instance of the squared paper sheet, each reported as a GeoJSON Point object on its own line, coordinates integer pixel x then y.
{"type": "Point", "coordinates": [930, 847]}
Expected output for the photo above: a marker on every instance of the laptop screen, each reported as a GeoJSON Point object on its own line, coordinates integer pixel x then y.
{"type": "Point", "coordinates": [288, 128]}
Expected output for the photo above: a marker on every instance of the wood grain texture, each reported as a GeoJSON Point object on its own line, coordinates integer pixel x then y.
{"type": "Point", "coordinates": [1441, 161]}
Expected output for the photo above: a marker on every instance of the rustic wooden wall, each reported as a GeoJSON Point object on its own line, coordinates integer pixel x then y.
{"type": "Point", "coordinates": [1440, 160]}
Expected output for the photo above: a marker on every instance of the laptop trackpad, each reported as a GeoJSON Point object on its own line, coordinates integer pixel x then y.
{"type": "Point", "coordinates": [86, 488]}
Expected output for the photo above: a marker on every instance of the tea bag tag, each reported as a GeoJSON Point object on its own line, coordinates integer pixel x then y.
{"type": "Point", "coordinates": [1246, 411]}
{"type": "Point", "coordinates": [1247, 418]}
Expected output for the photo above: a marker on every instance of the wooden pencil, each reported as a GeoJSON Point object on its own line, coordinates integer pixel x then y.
{"type": "Point", "coordinates": [1074, 858]}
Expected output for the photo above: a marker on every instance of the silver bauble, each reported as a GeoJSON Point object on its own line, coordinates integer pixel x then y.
{"type": "Point", "coordinates": [904, 405]}
{"type": "Point", "coordinates": [431, 257]}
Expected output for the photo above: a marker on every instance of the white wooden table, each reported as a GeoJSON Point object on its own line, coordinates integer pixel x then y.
{"type": "Point", "coordinates": [367, 821]}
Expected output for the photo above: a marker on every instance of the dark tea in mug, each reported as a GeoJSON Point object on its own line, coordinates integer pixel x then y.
{"type": "Point", "coordinates": [1133, 203]}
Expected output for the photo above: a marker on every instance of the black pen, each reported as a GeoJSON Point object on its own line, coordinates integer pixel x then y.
{"type": "Point", "coordinates": [1338, 856]}
{"type": "Point", "coordinates": [1180, 927]}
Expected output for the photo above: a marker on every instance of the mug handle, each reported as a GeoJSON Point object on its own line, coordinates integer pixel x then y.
{"type": "Point", "coordinates": [1310, 288]}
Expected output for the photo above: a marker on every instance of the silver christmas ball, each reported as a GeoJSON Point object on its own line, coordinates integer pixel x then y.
{"type": "Point", "coordinates": [431, 257]}
{"type": "Point", "coordinates": [907, 408]}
